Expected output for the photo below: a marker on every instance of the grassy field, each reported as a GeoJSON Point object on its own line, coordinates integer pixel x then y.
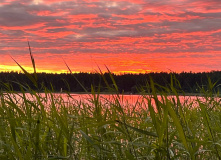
{"type": "Point", "coordinates": [44, 126]}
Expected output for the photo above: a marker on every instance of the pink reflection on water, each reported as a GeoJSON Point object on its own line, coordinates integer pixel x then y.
{"type": "Point", "coordinates": [141, 101]}
{"type": "Point", "coordinates": [125, 101]}
{"type": "Point", "coordinates": [137, 102]}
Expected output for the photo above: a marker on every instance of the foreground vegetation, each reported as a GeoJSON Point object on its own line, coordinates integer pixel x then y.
{"type": "Point", "coordinates": [46, 126]}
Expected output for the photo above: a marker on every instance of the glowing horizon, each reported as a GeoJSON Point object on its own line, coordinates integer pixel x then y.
{"type": "Point", "coordinates": [135, 36]}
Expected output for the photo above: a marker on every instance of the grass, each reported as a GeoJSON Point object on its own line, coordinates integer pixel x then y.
{"type": "Point", "coordinates": [45, 126]}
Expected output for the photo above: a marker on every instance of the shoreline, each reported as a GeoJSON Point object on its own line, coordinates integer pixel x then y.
{"type": "Point", "coordinates": [112, 93]}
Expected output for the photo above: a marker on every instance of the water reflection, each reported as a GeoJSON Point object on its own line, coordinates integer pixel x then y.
{"type": "Point", "coordinates": [133, 101]}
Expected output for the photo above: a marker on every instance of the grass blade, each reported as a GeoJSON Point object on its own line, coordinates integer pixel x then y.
{"type": "Point", "coordinates": [33, 61]}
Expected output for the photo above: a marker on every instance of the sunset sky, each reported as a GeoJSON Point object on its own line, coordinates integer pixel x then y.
{"type": "Point", "coordinates": [135, 36]}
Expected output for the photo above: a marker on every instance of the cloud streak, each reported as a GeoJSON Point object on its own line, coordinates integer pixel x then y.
{"type": "Point", "coordinates": [136, 36]}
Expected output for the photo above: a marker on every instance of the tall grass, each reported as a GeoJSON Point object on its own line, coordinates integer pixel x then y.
{"type": "Point", "coordinates": [46, 126]}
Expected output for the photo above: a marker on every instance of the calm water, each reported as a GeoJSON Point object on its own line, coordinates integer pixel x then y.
{"type": "Point", "coordinates": [124, 100]}
{"type": "Point", "coordinates": [129, 100]}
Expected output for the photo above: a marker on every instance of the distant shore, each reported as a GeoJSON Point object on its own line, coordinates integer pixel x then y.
{"type": "Point", "coordinates": [126, 93]}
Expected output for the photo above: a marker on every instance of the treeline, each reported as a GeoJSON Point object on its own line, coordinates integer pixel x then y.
{"type": "Point", "coordinates": [128, 83]}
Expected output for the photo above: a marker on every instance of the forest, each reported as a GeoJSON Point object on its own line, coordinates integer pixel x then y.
{"type": "Point", "coordinates": [187, 82]}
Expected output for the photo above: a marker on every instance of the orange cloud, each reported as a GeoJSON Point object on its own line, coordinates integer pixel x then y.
{"type": "Point", "coordinates": [128, 36]}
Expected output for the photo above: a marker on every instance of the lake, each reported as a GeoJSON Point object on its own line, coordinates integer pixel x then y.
{"type": "Point", "coordinates": [105, 99]}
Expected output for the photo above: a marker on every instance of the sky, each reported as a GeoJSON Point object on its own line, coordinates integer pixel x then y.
{"type": "Point", "coordinates": [127, 36]}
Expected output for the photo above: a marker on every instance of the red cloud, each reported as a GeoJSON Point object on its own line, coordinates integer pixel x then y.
{"type": "Point", "coordinates": [127, 36]}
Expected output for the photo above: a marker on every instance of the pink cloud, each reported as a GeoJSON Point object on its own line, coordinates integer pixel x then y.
{"type": "Point", "coordinates": [112, 31]}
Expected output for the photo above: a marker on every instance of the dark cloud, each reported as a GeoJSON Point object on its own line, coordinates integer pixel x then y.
{"type": "Point", "coordinates": [18, 15]}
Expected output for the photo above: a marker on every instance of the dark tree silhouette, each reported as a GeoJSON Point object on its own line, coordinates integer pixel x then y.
{"type": "Point", "coordinates": [127, 83]}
